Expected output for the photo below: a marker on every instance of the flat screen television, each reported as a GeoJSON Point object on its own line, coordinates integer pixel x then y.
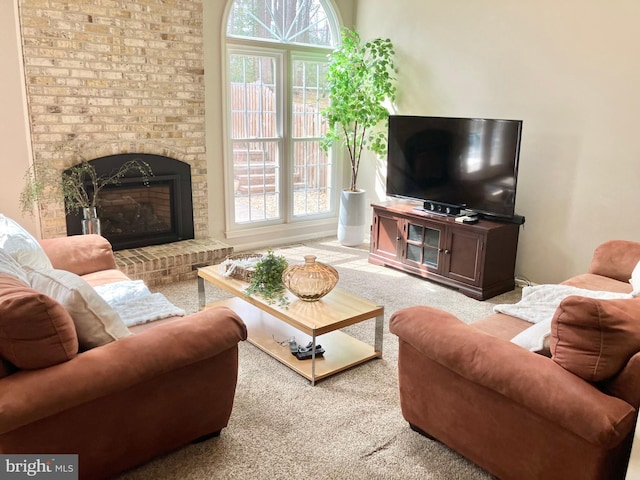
{"type": "Point", "coordinates": [470, 163]}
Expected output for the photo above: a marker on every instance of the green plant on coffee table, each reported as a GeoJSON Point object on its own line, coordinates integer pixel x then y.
{"type": "Point", "coordinates": [267, 279]}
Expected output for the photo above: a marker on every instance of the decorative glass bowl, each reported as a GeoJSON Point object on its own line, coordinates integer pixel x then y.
{"type": "Point", "coordinates": [311, 280]}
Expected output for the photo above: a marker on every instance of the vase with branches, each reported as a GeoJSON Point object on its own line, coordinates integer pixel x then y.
{"type": "Point", "coordinates": [79, 186]}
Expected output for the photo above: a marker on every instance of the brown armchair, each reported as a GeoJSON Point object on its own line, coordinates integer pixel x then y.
{"type": "Point", "coordinates": [521, 415]}
{"type": "Point", "coordinates": [120, 404]}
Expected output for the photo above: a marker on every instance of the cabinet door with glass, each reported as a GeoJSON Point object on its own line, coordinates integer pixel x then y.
{"type": "Point", "coordinates": [423, 244]}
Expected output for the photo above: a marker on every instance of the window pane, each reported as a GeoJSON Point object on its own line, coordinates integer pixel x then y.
{"type": "Point", "coordinates": [311, 179]}
{"type": "Point", "coordinates": [432, 237]}
{"type": "Point", "coordinates": [430, 257]}
{"type": "Point", "coordinates": [253, 96]}
{"type": "Point", "coordinates": [309, 98]}
{"type": "Point", "coordinates": [291, 21]}
{"type": "Point", "coordinates": [311, 166]}
{"type": "Point", "coordinates": [415, 233]}
{"type": "Point", "coordinates": [256, 171]}
{"type": "Point", "coordinates": [413, 253]}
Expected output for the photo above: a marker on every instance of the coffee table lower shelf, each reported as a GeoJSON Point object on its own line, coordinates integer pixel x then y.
{"type": "Point", "coordinates": [267, 332]}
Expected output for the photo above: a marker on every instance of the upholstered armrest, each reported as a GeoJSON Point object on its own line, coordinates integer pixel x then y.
{"type": "Point", "coordinates": [533, 381]}
{"type": "Point", "coordinates": [615, 259]}
{"type": "Point", "coordinates": [80, 254]}
{"type": "Point", "coordinates": [28, 396]}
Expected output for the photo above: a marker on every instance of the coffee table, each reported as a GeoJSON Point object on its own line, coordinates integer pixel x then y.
{"type": "Point", "coordinates": [270, 326]}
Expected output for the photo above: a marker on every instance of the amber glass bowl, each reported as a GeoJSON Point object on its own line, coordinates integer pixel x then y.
{"type": "Point", "coordinates": [311, 280]}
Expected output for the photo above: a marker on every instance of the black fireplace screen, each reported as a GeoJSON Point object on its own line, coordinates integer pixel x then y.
{"type": "Point", "coordinates": [136, 210]}
{"type": "Point", "coordinates": [136, 213]}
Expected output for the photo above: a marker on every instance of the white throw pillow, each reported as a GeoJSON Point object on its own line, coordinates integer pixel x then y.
{"type": "Point", "coordinates": [635, 280]}
{"type": "Point", "coordinates": [95, 321]}
{"type": "Point", "coordinates": [22, 246]}
{"type": "Point", "coordinates": [10, 266]}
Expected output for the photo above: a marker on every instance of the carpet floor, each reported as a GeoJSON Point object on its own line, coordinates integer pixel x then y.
{"type": "Point", "coordinates": [349, 426]}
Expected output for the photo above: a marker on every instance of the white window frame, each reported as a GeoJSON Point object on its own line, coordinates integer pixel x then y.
{"type": "Point", "coordinates": [286, 225]}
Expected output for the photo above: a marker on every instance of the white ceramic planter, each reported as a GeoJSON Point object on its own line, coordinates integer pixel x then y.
{"type": "Point", "coordinates": [352, 219]}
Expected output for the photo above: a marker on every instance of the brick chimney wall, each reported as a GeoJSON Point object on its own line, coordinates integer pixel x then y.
{"type": "Point", "coordinates": [115, 76]}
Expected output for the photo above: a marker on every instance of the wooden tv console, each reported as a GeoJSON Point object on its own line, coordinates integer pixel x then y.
{"type": "Point", "coordinates": [478, 259]}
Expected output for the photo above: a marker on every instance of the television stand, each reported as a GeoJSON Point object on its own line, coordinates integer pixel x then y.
{"type": "Point", "coordinates": [478, 259]}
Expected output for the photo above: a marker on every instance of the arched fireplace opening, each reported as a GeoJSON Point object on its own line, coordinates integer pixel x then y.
{"type": "Point", "coordinates": [139, 212]}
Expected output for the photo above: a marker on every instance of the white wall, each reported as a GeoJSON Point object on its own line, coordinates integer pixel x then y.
{"type": "Point", "coordinates": [570, 70]}
{"type": "Point", "coordinates": [15, 156]}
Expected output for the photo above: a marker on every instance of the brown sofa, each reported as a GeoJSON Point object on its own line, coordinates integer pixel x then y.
{"type": "Point", "coordinates": [522, 415]}
{"type": "Point", "coordinates": [118, 405]}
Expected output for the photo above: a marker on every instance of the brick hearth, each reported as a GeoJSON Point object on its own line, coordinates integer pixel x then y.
{"type": "Point", "coordinates": [171, 262]}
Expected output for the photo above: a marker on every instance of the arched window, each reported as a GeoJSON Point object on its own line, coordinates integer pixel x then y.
{"type": "Point", "coordinates": [276, 53]}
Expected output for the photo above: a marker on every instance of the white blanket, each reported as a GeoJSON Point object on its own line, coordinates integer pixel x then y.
{"type": "Point", "coordinates": [135, 303]}
{"type": "Point", "coordinates": [539, 304]}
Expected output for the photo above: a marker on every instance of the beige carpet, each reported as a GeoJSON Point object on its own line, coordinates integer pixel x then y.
{"type": "Point", "coordinates": [348, 426]}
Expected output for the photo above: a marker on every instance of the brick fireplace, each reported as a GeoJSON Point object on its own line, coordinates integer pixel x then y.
{"type": "Point", "coordinates": [113, 77]}
{"type": "Point", "coordinates": [117, 77]}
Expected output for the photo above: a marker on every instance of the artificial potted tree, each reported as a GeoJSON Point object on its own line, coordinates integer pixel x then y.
{"type": "Point", "coordinates": [360, 80]}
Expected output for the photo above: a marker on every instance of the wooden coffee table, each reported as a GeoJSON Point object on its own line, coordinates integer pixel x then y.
{"type": "Point", "coordinates": [270, 326]}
